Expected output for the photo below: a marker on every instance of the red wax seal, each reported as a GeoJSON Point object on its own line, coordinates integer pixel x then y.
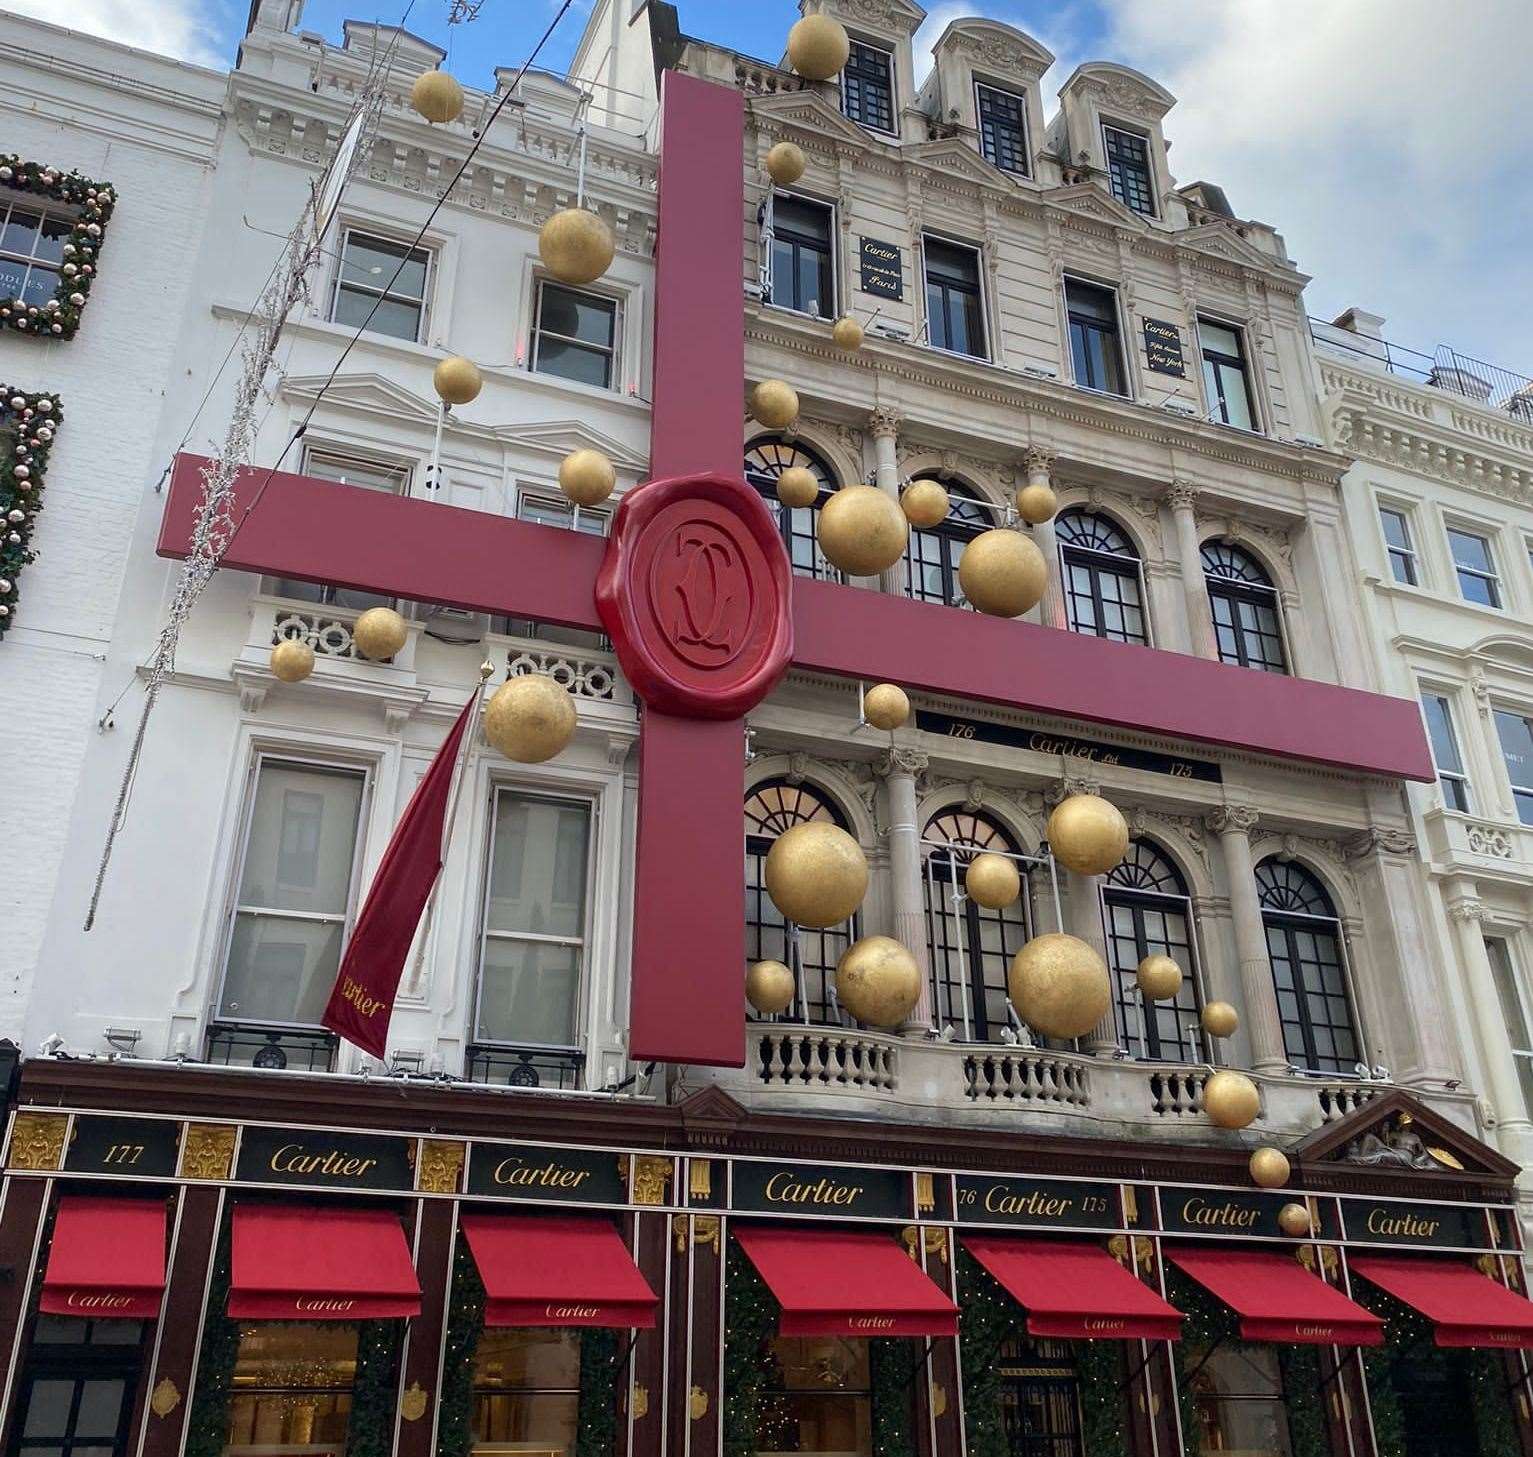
{"type": "Point", "coordinates": [694, 593]}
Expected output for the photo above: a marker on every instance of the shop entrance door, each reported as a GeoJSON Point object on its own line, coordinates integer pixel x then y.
{"type": "Point", "coordinates": [75, 1397]}
{"type": "Point", "coordinates": [1040, 1400]}
{"type": "Point", "coordinates": [1435, 1404]}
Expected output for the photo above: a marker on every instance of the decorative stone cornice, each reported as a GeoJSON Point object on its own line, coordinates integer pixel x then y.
{"type": "Point", "coordinates": [1232, 819]}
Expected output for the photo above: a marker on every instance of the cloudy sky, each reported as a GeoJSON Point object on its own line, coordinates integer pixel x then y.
{"type": "Point", "coordinates": [1387, 139]}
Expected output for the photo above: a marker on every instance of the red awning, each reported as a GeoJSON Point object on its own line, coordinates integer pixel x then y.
{"type": "Point", "coordinates": [557, 1271]}
{"type": "Point", "coordinates": [833, 1282]}
{"type": "Point", "coordinates": [1075, 1290]}
{"type": "Point", "coordinates": [306, 1262]}
{"type": "Point", "coordinates": [107, 1258]}
{"type": "Point", "coordinates": [1278, 1300]}
{"type": "Point", "coordinates": [1468, 1308]}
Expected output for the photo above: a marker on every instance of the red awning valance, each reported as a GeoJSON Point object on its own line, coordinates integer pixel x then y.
{"type": "Point", "coordinates": [306, 1262]}
{"type": "Point", "coordinates": [1466, 1307]}
{"type": "Point", "coordinates": [1278, 1300]}
{"type": "Point", "coordinates": [846, 1283]}
{"type": "Point", "coordinates": [107, 1258]}
{"type": "Point", "coordinates": [1075, 1290]}
{"type": "Point", "coordinates": [557, 1271]}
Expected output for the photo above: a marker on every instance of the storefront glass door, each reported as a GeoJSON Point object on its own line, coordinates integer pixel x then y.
{"type": "Point", "coordinates": [76, 1393]}
{"type": "Point", "coordinates": [1435, 1406]}
{"type": "Point", "coordinates": [1040, 1400]}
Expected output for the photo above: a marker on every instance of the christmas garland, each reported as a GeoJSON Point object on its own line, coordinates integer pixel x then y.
{"type": "Point", "coordinates": [370, 1426]}
{"type": "Point", "coordinates": [27, 426]}
{"type": "Point", "coordinates": [59, 317]}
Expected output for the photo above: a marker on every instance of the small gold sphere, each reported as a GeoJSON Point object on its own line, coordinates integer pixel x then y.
{"type": "Point", "coordinates": [1059, 986]}
{"type": "Point", "coordinates": [775, 404]}
{"type": "Point", "coordinates": [1037, 503]}
{"type": "Point", "coordinates": [818, 47]}
{"type": "Point", "coordinates": [1088, 834]}
{"type": "Point", "coordinates": [862, 531]}
{"type": "Point", "coordinates": [797, 486]}
{"type": "Point", "coordinates": [993, 881]}
{"type": "Point", "coordinates": [1270, 1168]}
{"type": "Point", "coordinates": [379, 633]}
{"type": "Point", "coordinates": [292, 661]}
{"type": "Point", "coordinates": [785, 164]}
{"type": "Point", "coordinates": [1220, 1019]}
{"type": "Point", "coordinates": [847, 334]}
{"type": "Point", "coordinates": [576, 245]}
{"type": "Point", "coordinates": [924, 503]}
{"type": "Point", "coordinates": [530, 718]}
{"type": "Point", "coordinates": [816, 874]}
{"type": "Point", "coordinates": [886, 706]}
{"type": "Point", "coordinates": [1230, 1099]}
{"type": "Point", "coordinates": [437, 96]}
{"type": "Point", "coordinates": [457, 380]}
{"type": "Point", "coordinates": [1002, 572]}
{"type": "Point", "coordinates": [1294, 1220]}
{"type": "Point", "coordinates": [878, 981]}
{"type": "Point", "coordinates": [769, 987]}
{"type": "Point", "coordinates": [586, 477]}
{"type": "Point", "coordinates": [1159, 978]}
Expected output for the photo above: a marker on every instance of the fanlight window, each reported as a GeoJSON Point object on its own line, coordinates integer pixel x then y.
{"type": "Point", "coordinates": [1146, 908]}
{"type": "Point", "coordinates": [931, 559]}
{"type": "Point", "coordinates": [1244, 604]}
{"type": "Point", "coordinates": [1099, 569]}
{"type": "Point", "coordinates": [765, 460]}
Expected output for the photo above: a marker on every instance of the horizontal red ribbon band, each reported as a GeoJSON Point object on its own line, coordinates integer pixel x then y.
{"type": "Point", "coordinates": [1278, 1300]}
{"type": "Point", "coordinates": [107, 1259]}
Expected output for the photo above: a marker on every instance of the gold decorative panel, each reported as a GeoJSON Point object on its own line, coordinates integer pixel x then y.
{"type": "Point", "coordinates": [700, 1178]}
{"type": "Point", "coordinates": [439, 1167]}
{"type": "Point", "coordinates": [207, 1150]}
{"type": "Point", "coordinates": [37, 1140]}
{"type": "Point", "coordinates": [650, 1177]}
{"type": "Point", "coordinates": [165, 1398]}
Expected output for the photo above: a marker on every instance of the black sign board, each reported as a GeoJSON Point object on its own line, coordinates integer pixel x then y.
{"type": "Point", "coordinates": [1051, 743]}
{"type": "Point", "coordinates": [1429, 1226]}
{"type": "Point", "coordinates": [815, 1189]}
{"type": "Point", "coordinates": [882, 274]}
{"type": "Point", "coordinates": [1036, 1203]}
{"type": "Point", "coordinates": [547, 1175]}
{"type": "Point", "coordinates": [110, 1145]}
{"type": "Point", "coordinates": [326, 1158]}
{"type": "Point", "coordinates": [1216, 1212]}
{"type": "Point", "coordinates": [1163, 347]}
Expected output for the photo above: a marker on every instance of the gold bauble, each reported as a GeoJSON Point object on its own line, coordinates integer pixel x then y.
{"type": "Point", "coordinates": [1002, 572]}
{"type": "Point", "coordinates": [816, 874]}
{"type": "Point", "coordinates": [586, 477]}
{"type": "Point", "coordinates": [993, 881]}
{"type": "Point", "coordinates": [878, 981]}
{"type": "Point", "coordinates": [924, 503]}
{"type": "Point", "coordinates": [530, 718]}
{"type": "Point", "coordinates": [797, 486]}
{"type": "Point", "coordinates": [457, 380]}
{"type": "Point", "coordinates": [576, 245]}
{"type": "Point", "coordinates": [1059, 986]}
{"type": "Point", "coordinates": [1220, 1019]}
{"type": "Point", "coordinates": [1088, 834]}
{"type": "Point", "coordinates": [846, 334]}
{"type": "Point", "coordinates": [437, 96]}
{"type": "Point", "coordinates": [785, 164]}
{"type": "Point", "coordinates": [379, 633]}
{"type": "Point", "coordinates": [1270, 1168]}
{"type": "Point", "coordinates": [1037, 503]}
{"type": "Point", "coordinates": [862, 531]}
{"type": "Point", "coordinates": [1159, 978]}
{"type": "Point", "coordinates": [818, 47]}
{"type": "Point", "coordinates": [1294, 1220]}
{"type": "Point", "coordinates": [886, 706]}
{"type": "Point", "coordinates": [292, 661]}
{"type": "Point", "coordinates": [775, 404]}
{"type": "Point", "coordinates": [769, 987]}
{"type": "Point", "coordinates": [1230, 1099]}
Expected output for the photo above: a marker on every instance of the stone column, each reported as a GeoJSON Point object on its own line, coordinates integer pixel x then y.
{"type": "Point", "coordinates": [1084, 914]}
{"type": "Point", "coordinates": [1233, 824]}
{"type": "Point", "coordinates": [884, 425]}
{"type": "Point", "coordinates": [898, 768]}
{"type": "Point", "coordinates": [1182, 497]}
{"type": "Point", "coordinates": [1051, 610]}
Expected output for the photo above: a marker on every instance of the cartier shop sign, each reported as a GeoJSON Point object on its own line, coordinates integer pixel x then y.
{"type": "Point", "coordinates": [1036, 1203]}
{"type": "Point", "coordinates": [1221, 1212]}
{"type": "Point", "coordinates": [1390, 1222]}
{"type": "Point", "coordinates": [813, 1189]}
{"type": "Point", "coordinates": [325, 1157]}
{"type": "Point", "coordinates": [546, 1175]}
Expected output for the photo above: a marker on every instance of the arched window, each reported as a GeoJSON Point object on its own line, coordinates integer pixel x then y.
{"type": "Point", "coordinates": [931, 559]}
{"type": "Point", "coordinates": [1099, 571]}
{"type": "Point", "coordinates": [1147, 914]}
{"type": "Point", "coordinates": [1304, 946]}
{"type": "Point", "coordinates": [765, 460]}
{"type": "Point", "coordinates": [771, 808]}
{"type": "Point", "coordinates": [1244, 604]}
{"type": "Point", "coordinates": [970, 947]}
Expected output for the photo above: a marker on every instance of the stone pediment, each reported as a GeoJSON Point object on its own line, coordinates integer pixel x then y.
{"type": "Point", "coordinates": [957, 159]}
{"type": "Point", "coordinates": [997, 45]}
{"type": "Point", "coordinates": [373, 393]}
{"type": "Point", "coordinates": [1090, 201]}
{"type": "Point", "coordinates": [1394, 1133]}
{"type": "Point", "coordinates": [812, 112]}
{"type": "Point", "coordinates": [1220, 240]}
{"type": "Point", "coordinates": [559, 437]}
{"type": "Point", "coordinates": [710, 1116]}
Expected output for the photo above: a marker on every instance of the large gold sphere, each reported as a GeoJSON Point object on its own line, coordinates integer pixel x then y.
{"type": "Point", "coordinates": [379, 633]}
{"type": "Point", "coordinates": [1058, 984]}
{"type": "Point", "coordinates": [1294, 1220]}
{"type": "Point", "coordinates": [1002, 572]}
{"type": "Point", "coordinates": [886, 706]}
{"type": "Point", "coordinates": [993, 881]}
{"type": "Point", "coordinates": [816, 874]}
{"type": "Point", "coordinates": [1088, 833]}
{"type": "Point", "coordinates": [530, 718]}
{"type": "Point", "coordinates": [862, 531]}
{"type": "Point", "coordinates": [924, 503]}
{"type": "Point", "coordinates": [586, 477]}
{"type": "Point", "coordinates": [1220, 1019]}
{"type": "Point", "coordinates": [576, 245]}
{"type": "Point", "coordinates": [797, 486]}
{"type": "Point", "coordinates": [437, 96]}
{"type": "Point", "coordinates": [818, 47]}
{"type": "Point", "coordinates": [1159, 978]}
{"type": "Point", "coordinates": [878, 981]}
{"type": "Point", "coordinates": [1037, 503]}
{"type": "Point", "coordinates": [775, 404]}
{"type": "Point", "coordinates": [1270, 1168]}
{"type": "Point", "coordinates": [769, 987]}
{"type": "Point", "coordinates": [846, 334]}
{"type": "Point", "coordinates": [292, 661]}
{"type": "Point", "coordinates": [457, 380]}
{"type": "Point", "coordinates": [1230, 1099]}
{"type": "Point", "coordinates": [785, 164]}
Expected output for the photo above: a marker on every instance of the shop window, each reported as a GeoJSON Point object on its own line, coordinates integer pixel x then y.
{"type": "Point", "coordinates": [31, 251]}
{"type": "Point", "coordinates": [1148, 913]}
{"type": "Point", "coordinates": [1404, 565]}
{"type": "Point", "coordinates": [1515, 731]}
{"type": "Point", "coordinates": [527, 1390]}
{"type": "Point", "coordinates": [291, 1389]}
{"type": "Point", "coordinates": [1244, 606]}
{"type": "Point", "coordinates": [1451, 778]}
{"type": "Point", "coordinates": [931, 559]}
{"type": "Point", "coordinates": [955, 315]}
{"type": "Point", "coordinates": [1129, 170]}
{"type": "Point", "coordinates": [1002, 128]}
{"type": "Point", "coordinates": [1238, 1400]}
{"type": "Point", "coordinates": [802, 273]}
{"type": "Point", "coordinates": [818, 1397]}
{"type": "Point", "coordinates": [1104, 591]}
{"type": "Point", "coordinates": [1474, 564]}
{"type": "Point", "coordinates": [1514, 1014]}
{"type": "Point", "coordinates": [575, 336]}
{"type": "Point", "coordinates": [1096, 347]}
{"type": "Point", "coordinates": [867, 87]}
{"type": "Point", "coordinates": [381, 286]}
{"type": "Point", "coordinates": [74, 1397]}
{"type": "Point", "coordinates": [1040, 1398]}
{"type": "Point", "coordinates": [765, 460]}
{"type": "Point", "coordinates": [1226, 380]}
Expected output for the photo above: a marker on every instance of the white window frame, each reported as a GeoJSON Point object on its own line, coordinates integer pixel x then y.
{"type": "Point", "coordinates": [769, 235]}
{"type": "Point", "coordinates": [1448, 698]}
{"type": "Point", "coordinates": [978, 250]}
{"type": "Point", "coordinates": [1247, 373]}
{"type": "Point", "coordinates": [12, 200]}
{"type": "Point", "coordinates": [894, 90]}
{"type": "Point", "coordinates": [979, 127]}
{"type": "Point", "coordinates": [1488, 535]}
{"type": "Point", "coordinates": [382, 235]}
{"type": "Point", "coordinates": [1522, 1057]}
{"type": "Point", "coordinates": [1407, 513]}
{"type": "Point", "coordinates": [619, 302]}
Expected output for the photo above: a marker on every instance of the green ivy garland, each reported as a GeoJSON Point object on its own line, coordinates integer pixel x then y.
{"type": "Point", "coordinates": [597, 1411]}
{"type": "Point", "coordinates": [27, 426]}
{"type": "Point", "coordinates": [893, 1367]}
{"type": "Point", "coordinates": [59, 317]}
{"type": "Point", "coordinates": [370, 1426]}
{"type": "Point", "coordinates": [208, 1427]}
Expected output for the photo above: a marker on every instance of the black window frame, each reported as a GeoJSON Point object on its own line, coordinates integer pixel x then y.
{"type": "Point", "coordinates": [868, 88]}
{"type": "Point", "coordinates": [939, 547]}
{"type": "Point", "coordinates": [1488, 574]}
{"type": "Point", "coordinates": [950, 288]}
{"type": "Point", "coordinates": [1128, 175]}
{"type": "Point", "coordinates": [1082, 326]}
{"type": "Point", "coordinates": [1217, 366]}
{"type": "Point", "coordinates": [766, 458]}
{"type": "Point", "coordinates": [1404, 560]}
{"type": "Point", "coordinates": [1098, 563]}
{"type": "Point", "coordinates": [79, 1362]}
{"type": "Point", "coordinates": [1252, 589]}
{"type": "Point", "coordinates": [609, 302]}
{"type": "Point", "coordinates": [1002, 137]}
{"type": "Point", "coordinates": [798, 244]}
{"type": "Point", "coordinates": [1522, 795]}
{"type": "Point", "coordinates": [1039, 1375]}
{"type": "Point", "coordinates": [1447, 755]}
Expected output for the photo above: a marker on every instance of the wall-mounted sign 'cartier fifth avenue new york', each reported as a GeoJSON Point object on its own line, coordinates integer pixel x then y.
{"type": "Point", "coordinates": [694, 589]}
{"type": "Point", "coordinates": [821, 1189]}
{"type": "Point", "coordinates": [1163, 347]}
{"type": "Point", "coordinates": [547, 1175]}
{"type": "Point", "coordinates": [319, 1156]}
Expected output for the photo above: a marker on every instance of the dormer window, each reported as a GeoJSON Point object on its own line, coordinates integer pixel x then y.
{"type": "Point", "coordinates": [867, 87]}
{"type": "Point", "coordinates": [1002, 128]}
{"type": "Point", "coordinates": [1128, 168]}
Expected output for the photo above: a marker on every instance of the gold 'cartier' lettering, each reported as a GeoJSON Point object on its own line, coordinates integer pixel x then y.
{"type": "Point", "coordinates": [870, 1322]}
{"type": "Point", "coordinates": [293, 1158]}
{"type": "Point", "coordinates": [516, 1171]}
{"type": "Point", "coordinates": [355, 993]}
{"type": "Point", "coordinates": [1411, 1225]}
{"type": "Point", "coordinates": [1103, 1323]}
{"type": "Point", "coordinates": [1200, 1211]}
{"type": "Point", "coordinates": [783, 1188]}
{"type": "Point", "coordinates": [76, 1301]}
{"type": "Point", "coordinates": [322, 1303]}
{"type": "Point", "coordinates": [572, 1312]}
{"type": "Point", "coordinates": [1050, 1206]}
{"type": "Point", "coordinates": [1312, 1332]}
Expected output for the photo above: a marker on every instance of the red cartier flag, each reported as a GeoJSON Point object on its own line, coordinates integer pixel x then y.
{"type": "Point", "coordinates": [362, 1001]}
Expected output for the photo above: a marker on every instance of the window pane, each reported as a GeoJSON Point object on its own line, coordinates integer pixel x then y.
{"type": "Point", "coordinates": [573, 361]}
{"type": "Point", "coordinates": [797, 217]}
{"type": "Point", "coordinates": [397, 320]}
{"type": "Point", "coordinates": [346, 471]}
{"type": "Point", "coordinates": [12, 278]}
{"type": "Point", "coordinates": [1516, 734]}
{"type": "Point", "coordinates": [1002, 129]}
{"type": "Point", "coordinates": [583, 316]}
{"type": "Point", "coordinates": [1470, 550]}
{"type": "Point", "coordinates": [508, 1357]}
{"type": "Point", "coordinates": [51, 238]}
{"type": "Point", "coordinates": [1504, 974]}
{"type": "Point", "coordinates": [527, 992]}
{"type": "Point", "coordinates": [1440, 727]}
{"type": "Point", "coordinates": [20, 235]}
{"type": "Point", "coordinates": [280, 969]}
{"type": "Point", "coordinates": [302, 838]}
{"type": "Point", "coordinates": [373, 262]}
{"type": "Point", "coordinates": [543, 1423]}
{"type": "Point", "coordinates": [538, 866]}
{"type": "Point", "coordinates": [100, 1411]}
{"type": "Point", "coordinates": [1128, 167]}
{"type": "Point", "coordinates": [1396, 532]}
{"type": "Point", "coordinates": [48, 1409]}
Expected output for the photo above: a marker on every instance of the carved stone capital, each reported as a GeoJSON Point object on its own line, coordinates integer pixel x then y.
{"type": "Point", "coordinates": [1040, 464]}
{"type": "Point", "coordinates": [1232, 819]}
{"type": "Point", "coordinates": [1181, 496]}
{"type": "Point", "coordinates": [897, 760]}
{"type": "Point", "coordinates": [1377, 841]}
{"type": "Point", "coordinates": [883, 422]}
{"type": "Point", "coordinates": [1069, 784]}
{"type": "Point", "coordinates": [1468, 910]}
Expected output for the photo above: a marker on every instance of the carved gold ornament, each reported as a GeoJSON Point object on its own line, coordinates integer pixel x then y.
{"type": "Point", "coordinates": [1088, 834]}
{"type": "Point", "coordinates": [926, 1193]}
{"type": "Point", "coordinates": [207, 1150]}
{"type": "Point", "coordinates": [878, 981]}
{"type": "Point", "coordinates": [651, 1174]}
{"type": "Point", "coordinates": [939, 1398]}
{"type": "Point", "coordinates": [862, 531]}
{"type": "Point", "coordinates": [1446, 1159]}
{"type": "Point", "coordinates": [1059, 985]}
{"type": "Point", "coordinates": [638, 1402]}
{"type": "Point", "coordinates": [530, 718]}
{"type": "Point", "coordinates": [576, 245]}
{"type": "Point", "coordinates": [769, 986]}
{"type": "Point", "coordinates": [992, 881]}
{"type": "Point", "coordinates": [816, 874]}
{"type": "Point", "coordinates": [165, 1398]}
{"type": "Point", "coordinates": [441, 1162]}
{"type": "Point", "coordinates": [37, 1140]}
{"type": "Point", "coordinates": [697, 1403]}
{"type": "Point", "coordinates": [412, 1405]}
{"type": "Point", "coordinates": [1002, 572]}
{"type": "Point", "coordinates": [291, 660]}
{"type": "Point", "coordinates": [1231, 1099]}
{"type": "Point", "coordinates": [700, 1178]}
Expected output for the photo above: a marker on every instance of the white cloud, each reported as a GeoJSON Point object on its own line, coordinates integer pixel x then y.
{"type": "Point", "coordinates": [180, 28]}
